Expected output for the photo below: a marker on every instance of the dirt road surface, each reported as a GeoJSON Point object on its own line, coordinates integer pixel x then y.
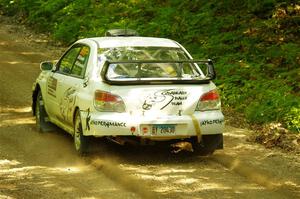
{"type": "Point", "coordinates": [34, 165]}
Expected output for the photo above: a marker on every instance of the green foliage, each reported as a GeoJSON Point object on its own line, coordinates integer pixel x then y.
{"type": "Point", "coordinates": [292, 119]}
{"type": "Point", "coordinates": [9, 7]}
{"type": "Point", "coordinates": [67, 31]}
{"type": "Point", "coordinates": [255, 43]}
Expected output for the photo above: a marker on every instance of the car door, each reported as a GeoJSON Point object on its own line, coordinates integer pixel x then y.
{"type": "Point", "coordinates": [65, 82]}
{"type": "Point", "coordinates": [73, 84]}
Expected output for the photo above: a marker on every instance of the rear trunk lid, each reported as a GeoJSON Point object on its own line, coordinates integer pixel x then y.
{"type": "Point", "coordinates": [159, 100]}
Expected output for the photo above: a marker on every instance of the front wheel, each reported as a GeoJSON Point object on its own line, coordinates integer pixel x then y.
{"type": "Point", "coordinates": [80, 141]}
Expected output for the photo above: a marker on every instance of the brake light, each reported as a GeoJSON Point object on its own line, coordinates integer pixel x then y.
{"type": "Point", "coordinates": [209, 101]}
{"type": "Point", "coordinates": [212, 95]}
{"type": "Point", "coordinates": [107, 102]}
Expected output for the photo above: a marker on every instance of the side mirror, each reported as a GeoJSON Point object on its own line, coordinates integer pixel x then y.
{"type": "Point", "coordinates": [46, 65]}
{"type": "Point", "coordinates": [211, 73]}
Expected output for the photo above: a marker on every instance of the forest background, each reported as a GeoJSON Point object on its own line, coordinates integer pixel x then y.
{"type": "Point", "coordinates": [255, 44]}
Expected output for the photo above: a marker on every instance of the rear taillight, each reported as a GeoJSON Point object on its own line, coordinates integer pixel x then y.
{"type": "Point", "coordinates": [107, 102]}
{"type": "Point", "coordinates": [209, 101]}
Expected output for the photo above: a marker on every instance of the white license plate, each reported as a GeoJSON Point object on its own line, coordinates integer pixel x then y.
{"type": "Point", "coordinates": [163, 129]}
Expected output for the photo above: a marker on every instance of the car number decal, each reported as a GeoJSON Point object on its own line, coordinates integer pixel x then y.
{"type": "Point", "coordinates": [52, 84]}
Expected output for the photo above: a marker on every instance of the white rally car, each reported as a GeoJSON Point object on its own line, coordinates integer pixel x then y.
{"type": "Point", "coordinates": [130, 89]}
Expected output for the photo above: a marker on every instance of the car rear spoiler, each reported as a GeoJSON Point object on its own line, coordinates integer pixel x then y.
{"type": "Point", "coordinates": [211, 74]}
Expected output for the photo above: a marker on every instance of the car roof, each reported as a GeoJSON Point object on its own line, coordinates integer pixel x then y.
{"type": "Point", "coordinates": [111, 42]}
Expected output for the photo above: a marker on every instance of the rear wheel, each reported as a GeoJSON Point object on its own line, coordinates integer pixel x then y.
{"type": "Point", "coordinates": [208, 144]}
{"type": "Point", "coordinates": [80, 141]}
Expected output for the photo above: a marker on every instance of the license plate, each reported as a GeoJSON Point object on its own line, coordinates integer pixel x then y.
{"type": "Point", "coordinates": [163, 129]}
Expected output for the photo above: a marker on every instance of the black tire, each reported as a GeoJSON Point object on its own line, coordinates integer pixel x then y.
{"type": "Point", "coordinates": [208, 144]}
{"type": "Point", "coordinates": [81, 142]}
{"type": "Point", "coordinates": [41, 116]}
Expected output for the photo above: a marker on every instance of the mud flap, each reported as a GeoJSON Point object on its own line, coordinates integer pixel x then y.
{"type": "Point", "coordinates": [45, 124]}
{"type": "Point", "coordinates": [85, 121]}
{"type": "Point", "coordinates": [197, 128]}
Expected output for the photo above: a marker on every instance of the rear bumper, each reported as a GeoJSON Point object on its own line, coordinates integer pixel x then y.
{"type": "Point", "coordinates": [123, 124]}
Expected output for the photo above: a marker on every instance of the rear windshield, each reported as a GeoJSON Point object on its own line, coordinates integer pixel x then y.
{"type": "Point", "coordinates": [148, 70]}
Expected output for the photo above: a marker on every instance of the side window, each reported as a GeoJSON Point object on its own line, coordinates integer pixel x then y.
{"type": "Point", "coordinates": [81, 62]}
{"type": "Point", "coordinates": [68, 60]}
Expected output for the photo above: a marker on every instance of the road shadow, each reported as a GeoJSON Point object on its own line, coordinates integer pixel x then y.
{"type": "Point", "coordinates": [160, 153]}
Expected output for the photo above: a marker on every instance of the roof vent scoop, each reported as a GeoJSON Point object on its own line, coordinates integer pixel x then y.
{"type": "Point", "coordinates": [121, 32]}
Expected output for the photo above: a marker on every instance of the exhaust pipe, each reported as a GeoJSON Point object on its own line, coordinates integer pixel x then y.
{"type": "Point", "coordinates": [182, 146]}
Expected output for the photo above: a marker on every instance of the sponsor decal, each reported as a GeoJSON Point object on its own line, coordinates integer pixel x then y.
{"type": "Point", "coordinates": [67, 103]}
{"type": "Point", "coordinates": [107, 124]}
{"type": "Point", "coordinates": [165, 98]}
{"type": "Point", "coordinates": [88, 118]}
{"type": "Point", "coordinates": [179, 112]}
{"type": "Point", "coordinates": [84, 51]}
{"type": "Point", "coordinates": [210, 122]}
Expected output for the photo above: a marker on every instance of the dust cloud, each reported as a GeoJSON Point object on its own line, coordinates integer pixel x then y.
{"type": "Point", "coordinates": [110, 168]}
